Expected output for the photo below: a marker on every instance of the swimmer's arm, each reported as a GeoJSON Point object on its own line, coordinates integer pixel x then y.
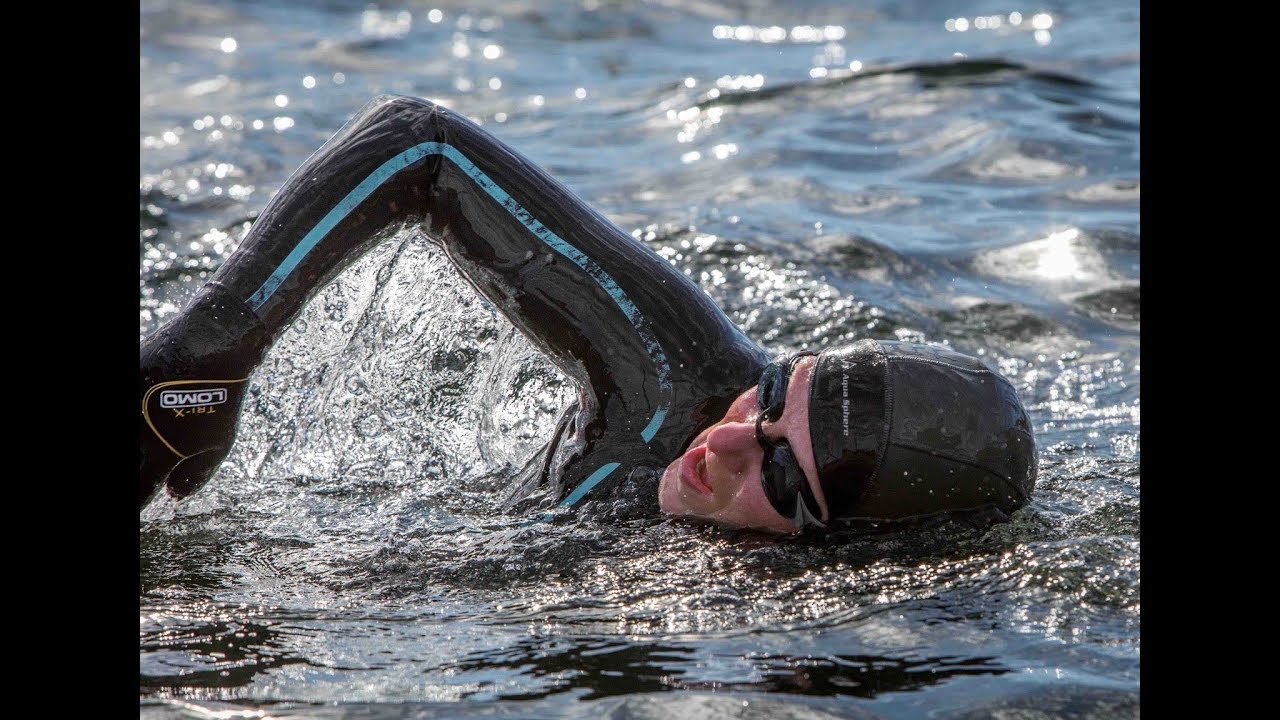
{"type": "Point", "coordinates": [558, 268]}
{"type": "Point", "coordinates": [607, 309]}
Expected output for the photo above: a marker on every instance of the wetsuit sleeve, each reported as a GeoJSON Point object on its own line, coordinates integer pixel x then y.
{"type": "Point", "coordinates": [608, 310]}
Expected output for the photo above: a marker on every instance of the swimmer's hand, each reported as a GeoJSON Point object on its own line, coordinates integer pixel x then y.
{"type": "Point", "coordinates": [192, 377]}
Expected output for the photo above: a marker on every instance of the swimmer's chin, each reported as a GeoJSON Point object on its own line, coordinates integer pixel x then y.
{"type": "Point", "coordinates": [671, 499]}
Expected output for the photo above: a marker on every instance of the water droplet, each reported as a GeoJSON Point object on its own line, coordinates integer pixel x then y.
{"type": "Point", "coordinates": [356, 385]}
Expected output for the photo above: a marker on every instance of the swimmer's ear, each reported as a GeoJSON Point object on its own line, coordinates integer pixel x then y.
{"type": "Point", "coordinates": [192, 473]}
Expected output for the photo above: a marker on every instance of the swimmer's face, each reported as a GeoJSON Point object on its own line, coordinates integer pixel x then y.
{"type": "Point", "coordinates": [719, 478]}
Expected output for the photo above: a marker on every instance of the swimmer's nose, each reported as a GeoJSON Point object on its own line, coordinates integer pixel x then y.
{"type": "Point", "coordinates": [734, 440]}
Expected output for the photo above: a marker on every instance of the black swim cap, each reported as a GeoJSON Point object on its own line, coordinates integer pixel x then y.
{"type": "Point", "coordinates": [903, 430]}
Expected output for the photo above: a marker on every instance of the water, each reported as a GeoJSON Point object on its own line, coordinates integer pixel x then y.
{"type": "Point", "coordinates": [851, 178]}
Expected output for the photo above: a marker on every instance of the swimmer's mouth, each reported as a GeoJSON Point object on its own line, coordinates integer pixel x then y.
{"type": "Point", "coordinates": [693, 470]}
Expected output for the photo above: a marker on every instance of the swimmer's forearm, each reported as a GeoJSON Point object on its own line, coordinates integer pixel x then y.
{"type": "Point", "coordinates": [193, 369]}
{"type": "Point", "coordinates": [192, 374]}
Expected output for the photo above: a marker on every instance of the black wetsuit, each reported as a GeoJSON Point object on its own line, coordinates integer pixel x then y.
{"type": "Point", "coordinates": [655, 360]}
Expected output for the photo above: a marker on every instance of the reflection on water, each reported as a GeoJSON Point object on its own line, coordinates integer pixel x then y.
{"type": "Point", "coordinates": [825, 173]}
{"type": "Point", "coordinates": [200, 654]}
{"type": "Point", "coordinates": [606, 666]}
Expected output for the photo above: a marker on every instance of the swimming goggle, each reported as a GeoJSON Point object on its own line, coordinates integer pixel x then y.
{"type": "Point", "coordinates": [784, 482]}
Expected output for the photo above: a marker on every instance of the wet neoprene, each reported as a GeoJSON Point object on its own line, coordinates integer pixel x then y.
{"type": "Point", "coordinates": [655, 359]}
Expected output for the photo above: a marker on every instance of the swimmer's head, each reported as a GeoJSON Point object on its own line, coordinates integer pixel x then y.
{"type": "Point", "coordinates": [879, 431]}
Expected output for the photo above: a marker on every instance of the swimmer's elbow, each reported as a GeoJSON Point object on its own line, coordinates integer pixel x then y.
{"type": "Point", "coordinates": [399, 104]}
{"type": "Point", "coordinates": [400, 117]}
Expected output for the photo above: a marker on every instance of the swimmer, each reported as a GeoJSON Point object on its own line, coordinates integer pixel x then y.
{"type": "Point", "coordinates": [674, 402]}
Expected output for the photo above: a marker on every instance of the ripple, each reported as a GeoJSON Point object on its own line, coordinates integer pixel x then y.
{"type": "Point", "coordinates": [1122, 303]}
{"type": "Point", "coordinates": [1004, 321]}
{"type": "Point", "coordinates": [957, 134]}
{"type": "Point", "coordinates": [1017, 163]}
{"type": "Point", "coordinates": [867, 203]}
{"type": "Point", "coordinates": [861, 256]}
{"type": "Point", "coordinates": [1068, 259]}
{"type": "Point", "coordinates": [898, 111]}
{"type": "Point", "coordinates": [929, 74]}
{"type": "Point", "coordinates": [1110, 191]}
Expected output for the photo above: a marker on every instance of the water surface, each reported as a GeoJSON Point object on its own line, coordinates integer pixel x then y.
{"type": "Point", "coordinates": [826, 171]}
